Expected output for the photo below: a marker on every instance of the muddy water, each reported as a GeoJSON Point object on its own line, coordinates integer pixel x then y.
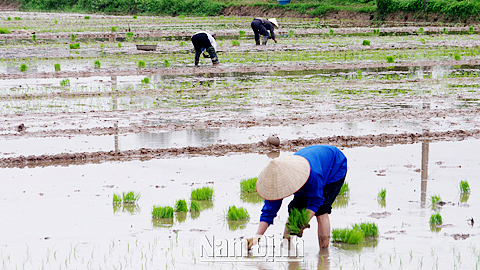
{"type": "Point", "coordinates": [64, 217]}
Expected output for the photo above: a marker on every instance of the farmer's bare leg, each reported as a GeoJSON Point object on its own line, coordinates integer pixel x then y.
{"type": "Point", "coordinates": [323, 230]}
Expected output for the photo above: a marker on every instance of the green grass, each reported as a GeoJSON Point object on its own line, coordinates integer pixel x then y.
{"type": "Point", "coordinates": [117, 199]}
{"type": "Point", "coordinates": [350, 236]}
{"type": "Point", "coordinates": [435, 199]}
{"type": "Point", "coordinates": [195, 206]}
{"type": "Point", "coordinates": [344, 190]}
{"type": "Point", "coordinates": [235, 213]}
{"type": "Point", "coordinates": [297, 219]}
{"type": "Point", "coordinates": [4, 30]}
{"type": "Point", "coordinates": [436, 219]}
{"type": "Point", "coordinates": [248, 185]}
{"type": "Point", "coordinates": [23, 67]}
{"type": "Point", "coordinates": [162, 212]}
{"type": "Point", "coordinates": [181, 206]}
{"type": "Point", "coordinates": [57, 67]}
{"type": "Point", "coordinates": [369, 229]}
{"type": "Point", "coordinates": [201, 194]}
{"type": "Point", "coordinates": [96, 64]}
{"type": "Point", "coordinates": [382, 194]}
{"type": "Point", "coordinates": [464, 186]}
{"type": "Point", "coordinates": [130, 197]}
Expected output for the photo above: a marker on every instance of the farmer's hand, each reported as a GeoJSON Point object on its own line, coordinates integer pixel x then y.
{"type": "Point", "coordinates": [249, 243]}
{"type": "Point", "coordinates": [275, 40]}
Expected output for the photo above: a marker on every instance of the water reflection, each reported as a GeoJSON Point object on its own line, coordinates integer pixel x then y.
{"type": "Point", "coordinates": [424, 169]}
{"type": "Point", "coordinates": [323, 259]}
{"type": "Point", "coordinates": [250, 197]}
{"type": "Point", "coordinates": [341, 202]}
{"type": "Point", "coordinates": [162, 222]}
{"type": "Point", "coordinates": [181, 216]}
{"type": "Point", "coordinates": [273, 154]}
{"type": "Point", "coordinates": [234, 225]}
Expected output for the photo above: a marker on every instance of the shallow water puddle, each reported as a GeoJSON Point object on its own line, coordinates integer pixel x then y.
{"type": "Point", "coordinates": [64, 217]}
{"type": "Point", "coordinates": [206, 137]}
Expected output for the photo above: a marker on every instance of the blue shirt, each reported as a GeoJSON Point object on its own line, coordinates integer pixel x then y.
{"type": "Point", "coordinates": [327, 165]}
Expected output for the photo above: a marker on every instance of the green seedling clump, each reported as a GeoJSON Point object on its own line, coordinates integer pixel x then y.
{"type": "Point", "coordinates": [241, 33]}
{"type": "Point", "coordinates": [235, 43]}
{"type": "Point", "coordinates": [119, 44]}
{"type": "Point", "coordinates": [297, 221]}
{"type": "Point", "coordinates": [23, 67]}
{"type": "Point", "coordinates": [57, 67]}
{"type": "Point", "coordinates": [464, 186]}
{"type": "Point", "coordinates": [195, 206]}
{"type": "Point", "coordinates": [113, 29]}
{"type": "Point", "coordinates": [162, 212]}
{"type": "Point", "coordinates": [65, 82]}
{"type": "Point", "coordinates": [9, 18]}
{"type": "Point", "coordinates": [75, 46]}
{"type": "Point", "coordinates": [181, 206]}
{"type": "Point", "coordinates": [435, 199]}
{"type": "Point", "coordinates": [350, 236]}
{"type": "Point", "coordinates": [130, 197]}
{"type": "Point", "coordinates": [235, 213]}
{"type": "Point", "coordinates": [73, 37]}
{"type": "Point", "coordinates": [141, 64]}
{"type": "Point", "coordinates": [368, 229]}
{"type": "Point", "coordinates": [117, 199]}
{"type": "Point", "coordinates": [390, 59]}
{"type": "Point", "coordinates": [331, 32]}
{"type": "Point", "coordinates": [382, 194]}
{"type": "Point", "coordinates": [4, 30]}
{"type": "Point", "coordinates": [291, 33]}
{"type": "Point", "coordinates": [97, 64]}
{"type": "Point", "coordinates": [134, 16]}
{"type": "Point", "coordinates": [34, 37]}
{"type": "Point", "coordinates": [344, 190]}
{"type": "Point", "coordinates": [436, 219]}
{"type": "Point", "coordinates": [166, 63]}
{"type": "Point", "coordinates": [366, 43]}
{"type": "Point", "coordinates": [17, 18]}
{"type": "Point", "coordinates": [87, 17]}
{"type": "Point", "coordinates": [201, 194]}
{"type": "Point", "coordinates": [146, 80]}
{"type": "Point", "coordinates": [248, 185]}
{"type": "Point", "coordinates": [457, 57]}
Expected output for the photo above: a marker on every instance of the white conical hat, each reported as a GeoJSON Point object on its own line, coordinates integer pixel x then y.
{"type": "Point", "coordinates": [282, 177]}
{"type": "Point", "coordinates": [274, 21]}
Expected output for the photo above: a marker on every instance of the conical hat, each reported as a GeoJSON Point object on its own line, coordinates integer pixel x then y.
{"type": "Point", "coordinates": [282, 177]}
{"type": "Point", "coordinates": [274, 21]}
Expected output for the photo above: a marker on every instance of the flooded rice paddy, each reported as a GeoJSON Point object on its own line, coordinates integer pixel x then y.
{"type": "Point", "coordinates": [404, 109]}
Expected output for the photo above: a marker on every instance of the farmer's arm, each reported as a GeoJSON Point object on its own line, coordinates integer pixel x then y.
{"type": "Point", "coordinates": [269, 212]}
{"type": "Point", "coordinates": [272, 33]}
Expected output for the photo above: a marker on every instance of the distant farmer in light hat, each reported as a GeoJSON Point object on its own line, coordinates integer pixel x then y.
{"type": "Point", "coordinates": [260, 27]}
{"type": "Point", "coordinates": [203, 41]}
{"type": "Point", "coordinates": [314, 175]}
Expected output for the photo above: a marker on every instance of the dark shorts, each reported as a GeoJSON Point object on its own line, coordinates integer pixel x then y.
{"type": "Point", "coordinates": [330, 192]}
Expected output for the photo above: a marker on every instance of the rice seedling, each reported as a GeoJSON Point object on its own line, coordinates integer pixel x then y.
{"type": "Point", "coordinates": [241, 33]}
{"type": "Point", "coordinates": [248, 185]}
{"type": "Point", "coordinates": [368, 229]}
{"type": "Point", "coordinates": [291, 33]}
{"type": "Point", "coordinates": [74, 46]}
{"type": "Point", "coordinates": [390, 59]}
{"type": "Point", "coordinates": [145, 80]}
{"type": "Point", "coordinates": [297, 221]}
{"type": "Point", "coordinates": [464, 186]}
{"type": "Point", "coordinates": [366, 43]}
{"type": "Point", "coordinates": [457, 57]}
{"type": "Point", "coordinates": [23, 67]}
{"type": "Point", "coordinates": [130, 197]}
{"type": "Point", "coordinates": [350, 236]}
{"type": "Point", "coordinates": [129, 36]}
{"type": "Point", "coordinates": [344, 190]}
{"type": "Point", "coordinates": [331, 32]}
{"type": "Point", "coordinates": [435, 199]}
{"type": "Point", "coordinates": [73, 37]}
{"type": "Point", "coordinates": [119, 44]}
{"type": "Point", "coordinates": [141, 64]}
{"type": "Point", "coordinates": [134, 16]}
{"type": "Point", "coordinates": [9, 18]}
{"type": "Point", "coordinates": [376, 31]}
{"type": "Point", "coordinates": [235, 213]}
{"type": "Point", "coordinates": [65, 82]}
{"type": "Point", "coordinates": [166, 63]}
{"type": "Point", "coordinates": [195, 206]}
{"type": "Point", "coordinates": [421, 31]}
{"type": "Point", "coordinates": [422, 40]}
{"type": "Point", "coordinates": [34, 37]}
{"type": "Point", "coordinates": [182, 43]}
{"type": "Point", "coordinates": [57, 67]}
{"type": "Point", "coordinates": [113, 29]}
{"type": "Point", "coordinates": [470, 30]}
{"type": "Point", "coordinates": [181, 206]}
{"type": "Point", "coordinates": [55, 22]}
{"type": "Point", "coordinates": [436, 219]}
{"type": "Point", "coordinates": [97, 64]}
{"type": "Point", "coordinates": [445, 31]}
{"type": "Point", "coordinates": [4, 30]}
{"type": "Point", "coordinates": [235, 43]}
{"type": "Point", "coordinates": [382, 194]}
{"type": "Point", "coordinates": [17, 18]}
{"type": "Point", "coordinates": [117, 199]}
{"type": "Point", "coordinates": [201, 194]}
{"type": "Point", "coordinates": [87, 17]}
{"type": "Point", "coordinates": [162, 212]}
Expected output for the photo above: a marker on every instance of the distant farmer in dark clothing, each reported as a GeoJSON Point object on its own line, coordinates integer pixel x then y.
{"type": "Point", "coordinates": [260, 27]}
{"type": "Point", "coordinates": [203, 41]}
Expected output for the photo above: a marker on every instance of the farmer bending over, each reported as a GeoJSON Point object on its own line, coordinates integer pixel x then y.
{"type": "Point", "coordinates": [314, 175]}
{"type": "Point", "coordinates": [203, 41]}
{"type": "Point", "coordinates": [260, 27]}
